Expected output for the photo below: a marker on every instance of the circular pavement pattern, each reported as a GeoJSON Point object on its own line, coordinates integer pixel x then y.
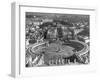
{"type": "Point", "coordinates": [55, 49]}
